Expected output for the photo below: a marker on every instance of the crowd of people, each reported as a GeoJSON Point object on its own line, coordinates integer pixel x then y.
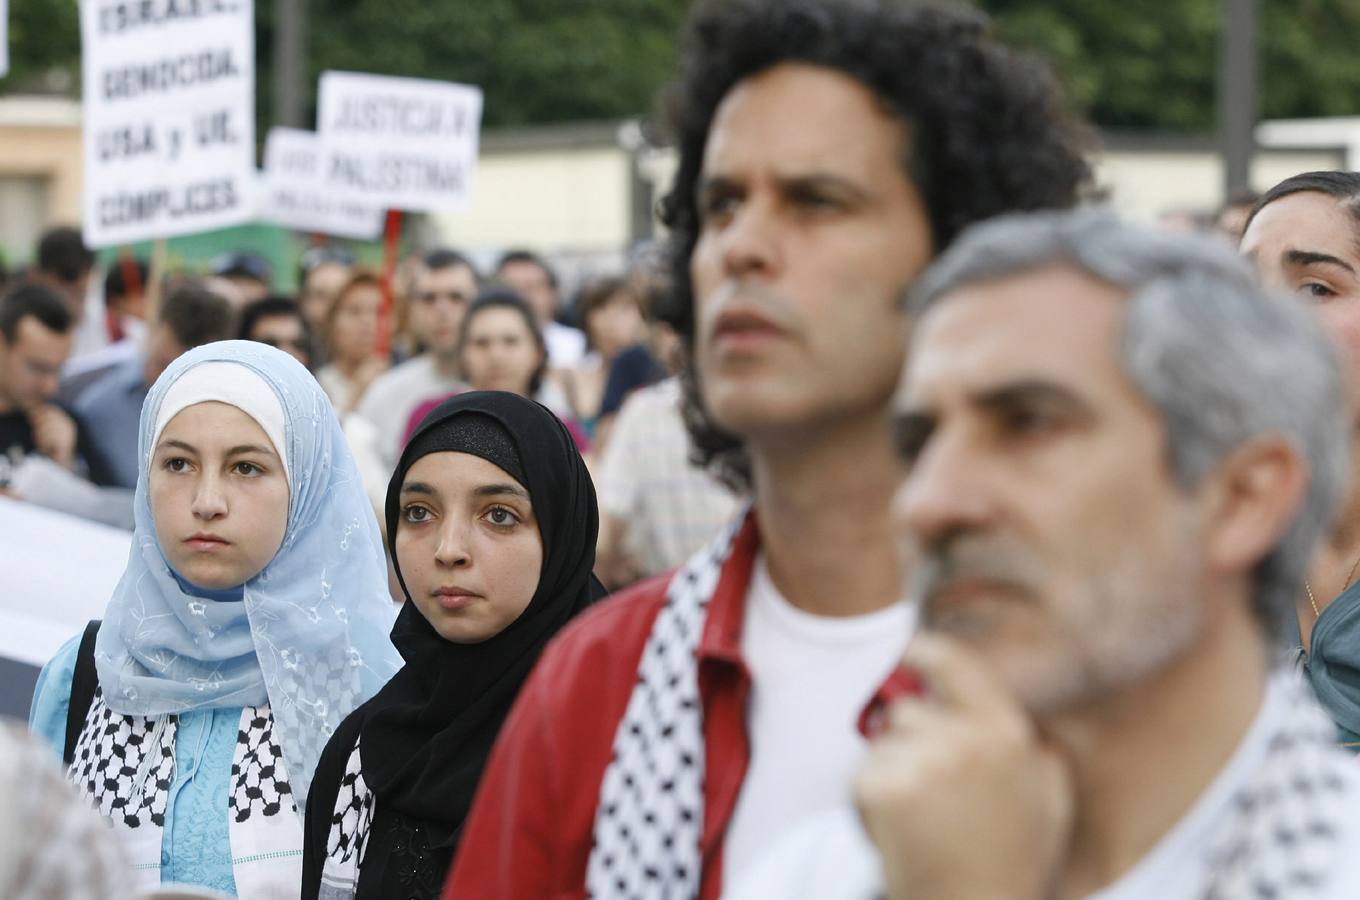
{"type": "Point", "coordinates": [905, 525]}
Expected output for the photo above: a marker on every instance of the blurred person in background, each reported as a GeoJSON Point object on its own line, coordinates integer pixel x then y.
{"type": "Point", "coordinates": [1232, 216]}
{"type": "Point", "coordinates": [108, 410]}
{"type": "Point", "coordinates": [501, 349]}
{"type": "Point", "coordinates": [351, 330]}
{"type": "Point", "coordinates": [64, 263]}
{"type": "Point", "coordinates": [278, 322]}
{"type": "Point", "coordinates": [52, 845]}
{"type": "Point", "coordinates": [125, 290]}
{"type": "Point", "coordinates": [444, 287]}
{"type": "Point", "coordinates": [612, 318]}
{"type": "Point", "coordinates": [533, 279]}
{"type": "Point", "coordinates": [248, 271]}
{"type": "Point", "coordinates": [251, 620]}
{"type": "Point", "coordinates": [657, 508]}
{"type": "Point", "coordinates": [322, 271]}
{"type": "Point", "coordinates": [125, 314]}
{"type": "Point", "coordinates": [36, 326]}
{"type": "Point", "coordinates": [1304, 238]}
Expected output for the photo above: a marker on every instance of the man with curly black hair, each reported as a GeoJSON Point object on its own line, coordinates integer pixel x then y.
{"type": "Point", "coordinates": [828, 151]}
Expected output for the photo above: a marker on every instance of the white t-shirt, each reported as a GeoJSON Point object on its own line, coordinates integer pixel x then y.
{"type": "Point", "coordinates": [566, 345]}
{"type": "Point", "coordinates": [831, 858]}
{"type": "Point", "coordinates": [811, 677]}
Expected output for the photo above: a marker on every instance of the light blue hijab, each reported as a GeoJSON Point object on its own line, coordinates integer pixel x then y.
{"type": "Point", "coordinates": [310, 633]}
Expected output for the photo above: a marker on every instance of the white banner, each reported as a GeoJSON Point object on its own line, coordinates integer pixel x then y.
{"type": "Point", "coordinates": [294, 192]}
{"type": "Point", "coordinates": [399, 143]}
{"type": "Point", "coordinates": [4, 37]}
{"type": "Point", "coordinates": [58, 573]}
{"type": "Point", "coordinates": [169, 117]}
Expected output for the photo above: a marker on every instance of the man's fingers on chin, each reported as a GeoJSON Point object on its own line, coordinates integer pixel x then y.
{"type": "Point", "coordinates": [956, 675]}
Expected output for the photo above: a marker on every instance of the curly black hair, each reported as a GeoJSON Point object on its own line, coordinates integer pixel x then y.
{"type": "Point", "coordinates": [989, 132]}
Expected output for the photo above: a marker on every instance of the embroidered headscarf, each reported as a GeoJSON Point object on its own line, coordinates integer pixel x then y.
{"type": "Point", "coordinates": [426, 736]}
{"type": "Point", "coordinates": [309, 635]}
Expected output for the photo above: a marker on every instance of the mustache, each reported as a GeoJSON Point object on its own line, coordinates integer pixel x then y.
{"type": "Point", "coordinates": [971, 558]}
{"type": "Point", "coordinates": [749, 296]}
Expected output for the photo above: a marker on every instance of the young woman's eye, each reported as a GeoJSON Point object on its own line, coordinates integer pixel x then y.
{"type": "Point", "coordinates": [501, 517]}
{"type": "Point", "coordinates": [1314, 290]}
{"type": "Point", "coordinates": [415, 514]}
{"type": "Point", "coordinates": [247, 468]}
{"type": "Point", "coordinates": [176, 464]}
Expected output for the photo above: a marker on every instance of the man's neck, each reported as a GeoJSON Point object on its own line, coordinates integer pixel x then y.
{"type": "Point", "coordinates": [445, 364]}
{"type": "Point", "coordinates": [1141, 760]}
{"type": "Point", "coordinates": [822, 498]}
{"type": "Point", "coordinates": [1335, 567]}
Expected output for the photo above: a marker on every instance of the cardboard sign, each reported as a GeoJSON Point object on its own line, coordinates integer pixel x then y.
{"type": "Point", "coordinates": [399, 143]}
{"type": "Point", "coordinates": [169, 117]}
{"type": "Point", "coordinates": [294, 192]}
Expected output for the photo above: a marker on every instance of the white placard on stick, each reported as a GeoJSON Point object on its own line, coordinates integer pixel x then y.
{"type": "Point", "coordinates": [4, 37]}
{"type": "Point", "coordinates": [169, 117]}
{"type": "Point", "coordinates": [294, 192]}
{"type": "Point", "coordinates": [399, 143]}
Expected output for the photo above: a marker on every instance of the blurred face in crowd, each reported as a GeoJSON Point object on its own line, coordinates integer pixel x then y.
{"type": "Point", "coordinates": [218, 494]}
{"type": "Point", "coordinates": [249, 289]}
{"type": "Point", "coordinates": [286, 332]}
{"type": "Point", "coordinates": [440, 299]}
{"type": "Point", "coordinates": [532, 282]}
{"type": "Point", "coordinates": [162, 348]}
{"type": "Point", "coordinates": [319, 290]}
{"type": "Point", "coordinates": [807, 238]}
{"type": "Point", "coordinates": [615, 325]}
{"type": "Point", "coordinates": [501, 353]}
{"type": "Point", "coordinates": [30, 366]}
{"type": "Point", "coordinates": [354, 324]}
{"type": "Point", "coordinates": [227, 289]}
{"type": "Point", "coordinates": [468, 545]}
{"type": "Point", "coordinates": [1306, 244]}
{"type": "Point", "coordinates": [1039, 511]}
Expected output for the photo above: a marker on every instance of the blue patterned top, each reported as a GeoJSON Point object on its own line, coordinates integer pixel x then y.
{"type": "Point", "coordinates": [195, 848]}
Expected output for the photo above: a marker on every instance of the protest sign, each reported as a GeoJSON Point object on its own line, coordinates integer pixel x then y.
{"type": "Point", "coordinates": [398, 143]}
{"type": "Point", "coordinates": [169, 117]}
{"type": "Point", "coordinates": [294, 192]}
{"type": "Point", "coordinates": [4, 37]}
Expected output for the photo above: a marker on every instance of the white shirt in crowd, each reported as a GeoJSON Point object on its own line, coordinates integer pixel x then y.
{"type": "Point", "coordinates": [566, 345]}
{"type": "Point", "coordinates": [812, 675]}
{"type": "Point", "coordinates": [672, 507]}
{"type": "Point", "coordinates": [830, 857]}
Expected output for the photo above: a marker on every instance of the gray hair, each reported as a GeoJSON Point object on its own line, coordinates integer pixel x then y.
{"type": "Point", "coordinates": [1221, 359]}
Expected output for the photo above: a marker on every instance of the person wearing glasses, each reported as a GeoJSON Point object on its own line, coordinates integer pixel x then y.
{"type": "Point", "coordinates": [444, 287]}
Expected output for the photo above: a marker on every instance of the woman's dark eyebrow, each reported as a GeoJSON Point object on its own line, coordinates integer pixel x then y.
{"type": "Point", "coordinates": [417, 487]}
{"type": "Point", "coordinates": [491, 490]}
{"type": "Point", "coordinates": [1311, 258]}
{"type": "Point", "coordinates": [250, 448]}
{"type": "Point", "coordinates": [172, 442]}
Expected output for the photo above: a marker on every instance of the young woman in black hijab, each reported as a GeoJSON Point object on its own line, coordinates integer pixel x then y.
{"type": "Point", "coordinates": [491, 520]}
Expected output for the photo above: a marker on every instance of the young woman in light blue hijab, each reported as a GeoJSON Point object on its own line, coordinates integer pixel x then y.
{"type": "Point", "coordinates": [252, 618]}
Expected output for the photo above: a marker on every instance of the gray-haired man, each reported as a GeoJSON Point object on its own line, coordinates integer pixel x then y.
{"type": "Point", "coordinates": [1121, 454]}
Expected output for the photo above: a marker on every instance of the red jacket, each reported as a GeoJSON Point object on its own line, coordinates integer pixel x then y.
{"type": "Point", "coordinates": [530, 830]}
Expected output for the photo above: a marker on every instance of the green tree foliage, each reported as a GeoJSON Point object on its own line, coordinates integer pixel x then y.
{"type": "Point", "coordinates": [1152, 64]}
{"type": "Point", "coordinates": [1130, 64]}
{"type": "Point", "coordinates": [536, 60]}
{"type": "Point", "coordinates": [44, 47]}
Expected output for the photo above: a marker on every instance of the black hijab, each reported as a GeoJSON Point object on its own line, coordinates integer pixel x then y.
{"type": "Point", "coordinates": [427, 734]}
